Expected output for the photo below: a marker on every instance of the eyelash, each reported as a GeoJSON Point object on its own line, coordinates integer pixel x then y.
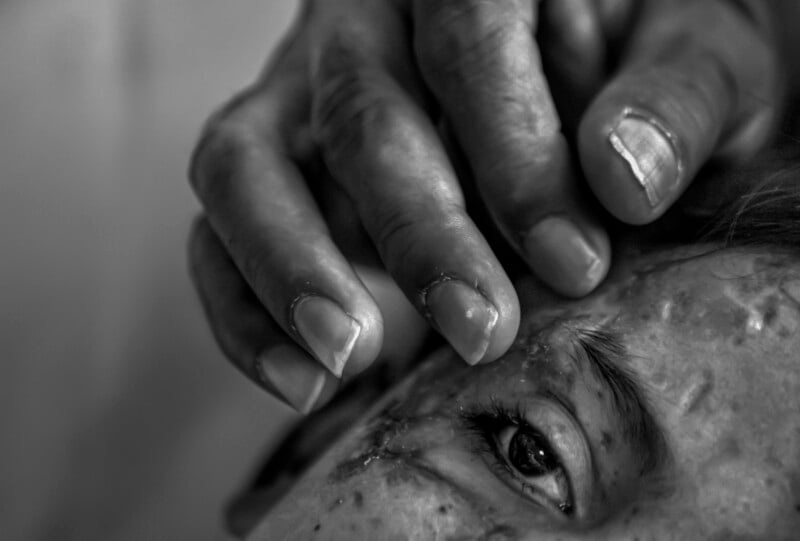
{"type": "Point", "coordinates": [485, 422]}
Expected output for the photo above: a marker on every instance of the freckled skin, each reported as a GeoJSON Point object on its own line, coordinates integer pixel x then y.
{"type": "Point", "coordinates": [714, 336]}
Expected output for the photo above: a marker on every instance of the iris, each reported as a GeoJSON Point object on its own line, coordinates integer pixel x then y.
{"type": "Point", "coordinates": [530, 454]}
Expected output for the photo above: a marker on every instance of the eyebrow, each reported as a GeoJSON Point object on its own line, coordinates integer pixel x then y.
{"type": "Point", "coordinates": [606, 356]}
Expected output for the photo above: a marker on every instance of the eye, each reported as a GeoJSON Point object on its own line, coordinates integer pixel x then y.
{"type": "Point", "coordinates": [528, 456]}
{"type": "Point", "coordinates": [529, 453]}
{"type": "Point", "coordinates": [538, 450]}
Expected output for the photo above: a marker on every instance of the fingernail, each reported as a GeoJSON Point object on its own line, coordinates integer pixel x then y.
{"type": "Point", "coordinates": [649, 151]}
{"type": "Point", "coordinates": [327, 330]}
{"type": "Point", "coordinates": [464, 316]}
{"type": "Point", "coordinates": [295, 377]}
{"type": "Point", "coordinates": [561, 255]}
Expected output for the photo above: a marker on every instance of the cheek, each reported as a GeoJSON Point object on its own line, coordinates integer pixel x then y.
{"type": "Point", "coordinates": [747, 498]}
{"type": "Point", "coordinates": [388, 500]}
{"type": "Point", "coordinates": [729, 500]}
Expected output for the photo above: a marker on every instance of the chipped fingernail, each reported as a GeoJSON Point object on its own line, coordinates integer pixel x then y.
{"type": "Point", "coordinates": [293, 376]}
{"type": "Point", "coordinates": [464, 316]}
{"type": "Point", "coordinates": [650, 152]}
{"type": "Point", "coordinates": [327, 330]}
{"type": "Point", "coordinates": [560, 254]}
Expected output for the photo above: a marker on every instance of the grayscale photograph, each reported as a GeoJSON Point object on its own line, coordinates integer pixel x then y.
{"type": "Point", "coordinates": [389, 270]}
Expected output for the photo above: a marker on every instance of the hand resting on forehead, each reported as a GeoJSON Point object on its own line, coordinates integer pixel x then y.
{"type": "Point", "coordinates": [445, 142]}
{"type": "Point", "coordinates": [665, 405]}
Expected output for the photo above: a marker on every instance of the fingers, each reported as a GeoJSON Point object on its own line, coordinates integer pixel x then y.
{"type": "Point", "coordinates": [383, 149]}
{"type": "Point", "coordinates": [246, 332]}
{"type": "Point", "coordinates": [573, 55]}
{"type": "Point", "coordinates": [700, 79]}
{"type": "Point", "coordinates": [260, 207]}
{"type": "Point", "coordinates": [480, 60]}
{"type": "Point", "coordinates": [615, 17]}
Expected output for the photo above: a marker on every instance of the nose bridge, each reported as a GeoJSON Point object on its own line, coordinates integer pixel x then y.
{"type": "Point", "coordinates": [747, 496]}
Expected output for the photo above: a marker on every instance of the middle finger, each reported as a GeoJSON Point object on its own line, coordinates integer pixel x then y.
{"type": "Point", "coordinates": [481, 62]}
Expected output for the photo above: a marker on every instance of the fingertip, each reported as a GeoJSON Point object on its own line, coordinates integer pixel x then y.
{"type": "Point", "coordinates": [463, 315]}
{"type": "Point", "coordinates": [327, 330]}
{"type": "Point", "coordinates": [367, 346]}
{"type": "Point", "coordinates": [632, 162]}
{"type": "Point", "coordinates": [569, 257]}
{"type": "Point", "coordinates": [505, 299]}
{"type": "Point", "coordinates": [293, 377]}
{"type": "Point", "coordinates": [478, 325]}
{"type": "Point", "coordinates": [503, 337]}
{"type": "Point", "coordinates": [345, 338]}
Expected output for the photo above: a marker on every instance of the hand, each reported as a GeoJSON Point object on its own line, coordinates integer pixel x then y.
{"type": "Point", "coordinates": [335, 152]}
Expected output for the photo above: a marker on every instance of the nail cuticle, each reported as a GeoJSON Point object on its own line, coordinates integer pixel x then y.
{"type": "Point", "coordinates": [425, 291]}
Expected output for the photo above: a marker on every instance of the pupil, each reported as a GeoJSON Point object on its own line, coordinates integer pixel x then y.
{"type": "Point", "coordinates": [530, 454]}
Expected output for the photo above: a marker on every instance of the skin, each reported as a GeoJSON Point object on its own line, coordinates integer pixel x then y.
{"type": "Point", "coordinates": [378, 123]}
{"type": "Point", "coordinates": [712, 334]}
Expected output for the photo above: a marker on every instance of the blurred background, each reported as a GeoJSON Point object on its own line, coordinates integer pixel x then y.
{"type": "Point", "coordinates": [119, 418]}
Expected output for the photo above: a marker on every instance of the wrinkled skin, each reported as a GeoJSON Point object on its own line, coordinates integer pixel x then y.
{"type": "Point", "coordinates": [713, 337]}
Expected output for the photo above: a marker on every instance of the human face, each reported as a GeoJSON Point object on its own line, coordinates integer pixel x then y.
{"type": "Point", "coordinates": [666, 405]}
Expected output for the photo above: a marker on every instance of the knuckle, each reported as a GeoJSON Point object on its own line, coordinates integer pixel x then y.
{"type": "Point", "coordinates": [353, 115]}
{"type": "Point", "coordinates": [222, 147]}
{"type": "Point", "coordinates": [410, 239]}
{"type": "Point", "coordinates": [396, 234]}
{"type": "Point", "coordinates": [230, 133]}
{"type": "Point", "coordinates": [462, 38]}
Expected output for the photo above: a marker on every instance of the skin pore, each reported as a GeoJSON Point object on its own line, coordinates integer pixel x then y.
{"type": "Point", "coordinates": [663, 406]}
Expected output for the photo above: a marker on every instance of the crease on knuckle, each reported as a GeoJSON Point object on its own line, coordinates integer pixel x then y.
{"type": "Point", "coordinates": [521, 155]}
{"type": "Point", "coordinates": [465, 42]}
{"type": "Point", "coordinates": [404, 235]}
{"type": "Point", "coordinates": [397, 235]}
{"type": "Point", "coordinates": [702, 103]}
{"type": "Point", "coordinates": [724, 93]}
{"type": "Point", "coordinates": [353, 115]}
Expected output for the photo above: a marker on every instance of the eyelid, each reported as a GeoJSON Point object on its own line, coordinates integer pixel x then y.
{"type": "Point", "coordinates": [569, 441]}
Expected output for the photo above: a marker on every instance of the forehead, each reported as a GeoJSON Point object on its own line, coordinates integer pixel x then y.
{"type": "Point", "coordinates": [732, 306]}
{"type": "Point", "coordinates": [741, 297]}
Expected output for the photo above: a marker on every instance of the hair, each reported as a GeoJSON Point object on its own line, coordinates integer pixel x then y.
{"type": "Point", "coordinates": [768, 214]}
